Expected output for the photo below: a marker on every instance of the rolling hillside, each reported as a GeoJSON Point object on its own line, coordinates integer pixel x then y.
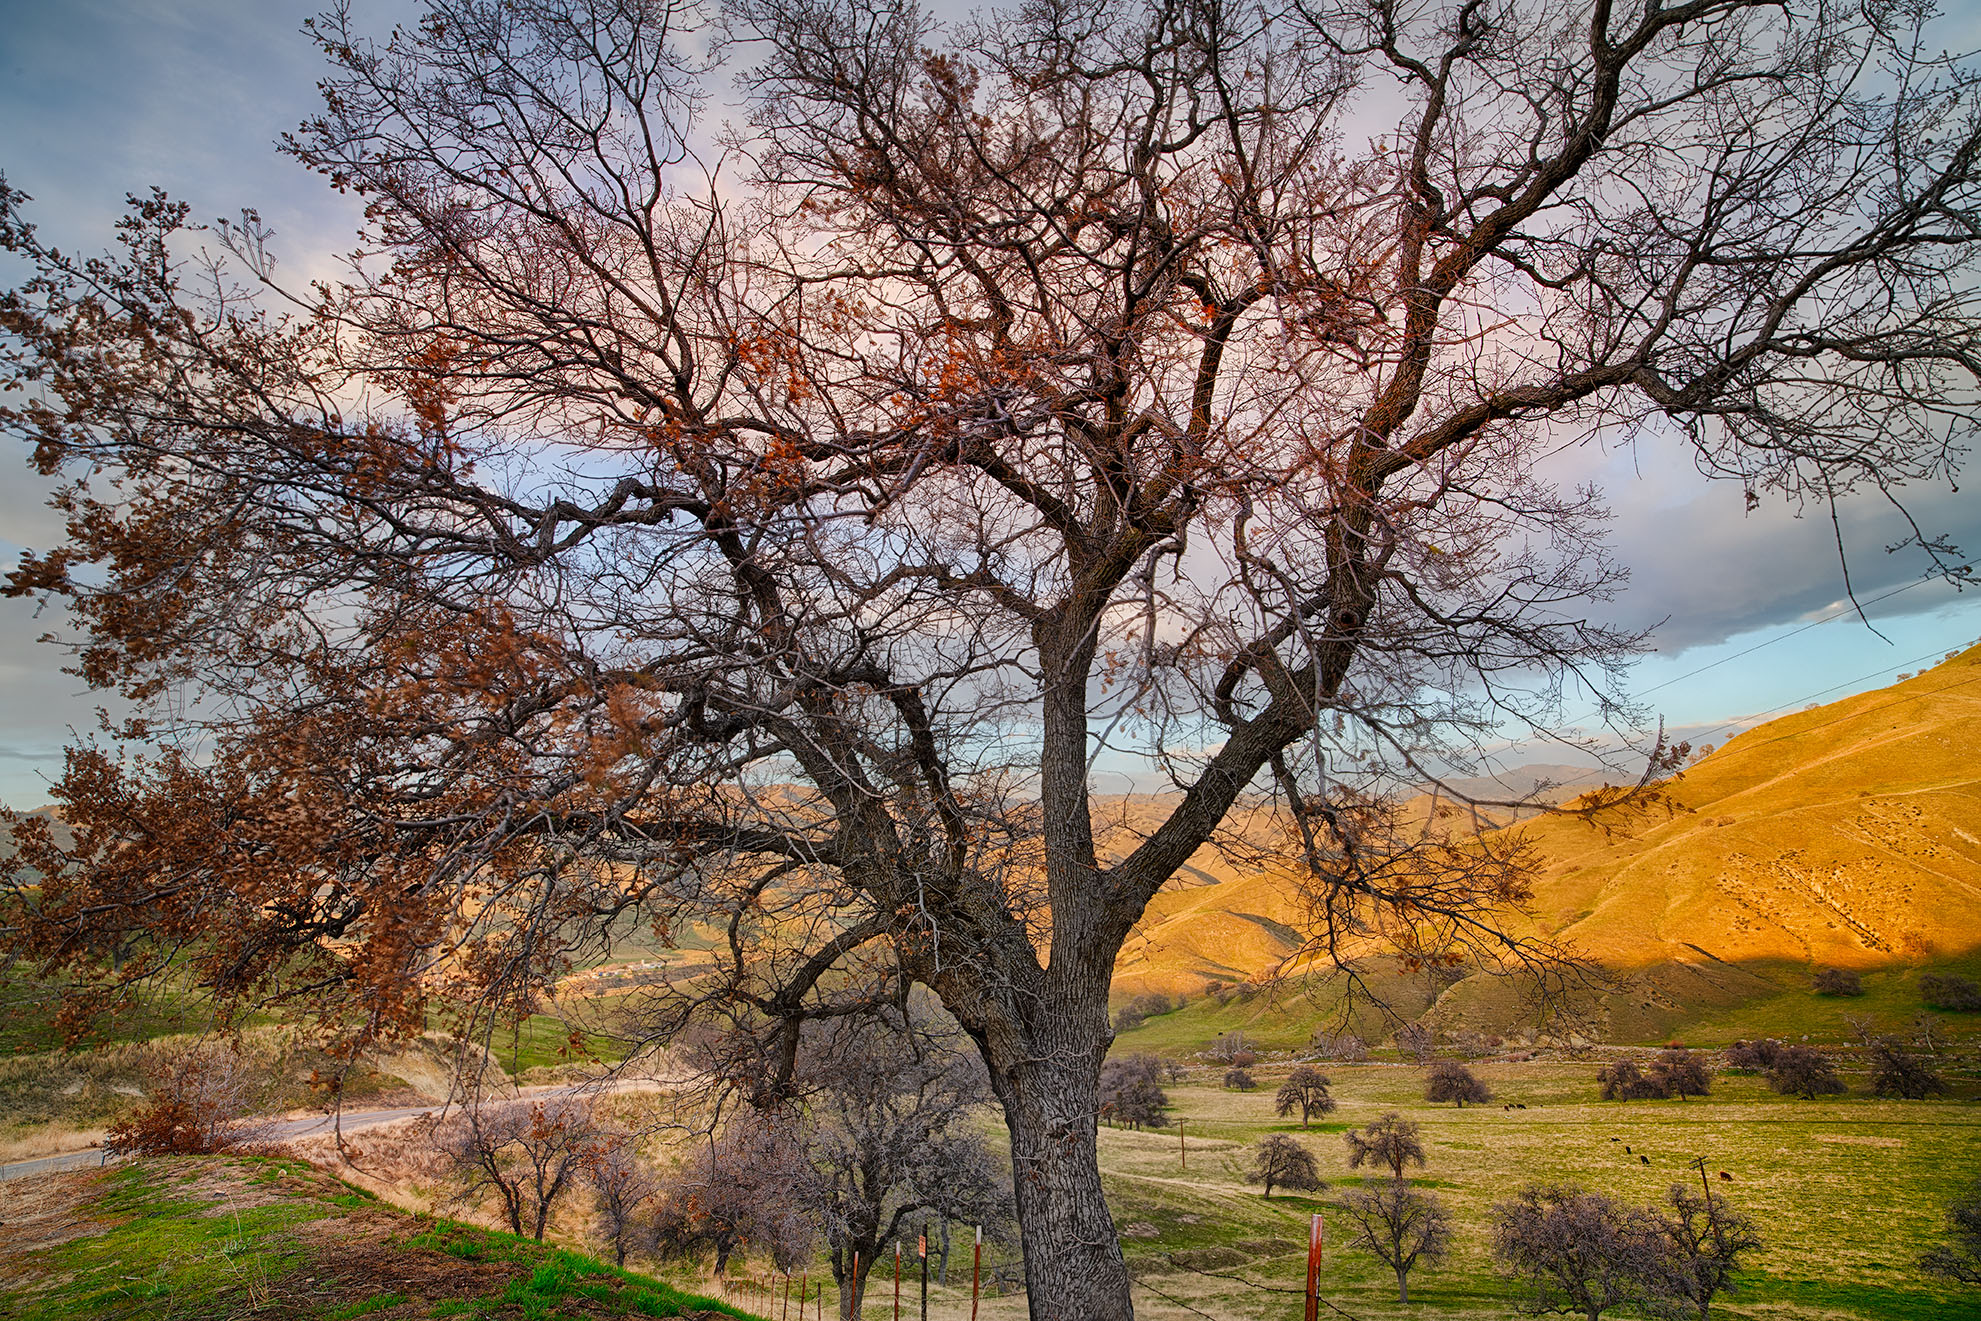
{"type": "Point", "coordinates": [1846, 834]}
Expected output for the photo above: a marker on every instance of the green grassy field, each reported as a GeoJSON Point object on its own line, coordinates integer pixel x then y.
{"type": "Point", "coordinates": [1775, 1001]}
{"type": "Point", "coordinates": [205, 1238]}
{"type": "Point", "coordinates": [1847, 1192]}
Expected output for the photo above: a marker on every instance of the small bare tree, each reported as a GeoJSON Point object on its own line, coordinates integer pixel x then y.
{"type": "Point", "coordinates": [1896, 1071]}
{"type": "Point", "coordinates": [1754, 1056]}
{"type": "Point", "coordinates": [1281, 1161]}
{"type": "Point", "coordinates": [738, 1187]}
{"type": "Point", "coordinates": [1400, 1225]}
{"type": "Point", "coordinates": [1680, 1072]}
{"type": "Point", "coordinates": [889, 1141]}
{"type": "Point", "coordinates": [1804, 1071]}
{"type": "Point", "coordinates": [1415, 1041]}
{"type": "Point", "coordinates": [1622, 1080]}
{"type": "Point", "coordinates": [526, 1155]}
{"type": "Point", "coordinates": [1131, 1092]}
{"type": "Point", "coordinates": [622, 1187]}
{"type": "Point", "coordinates": [1305, 1090]}
{"type": "Point", "coordinates": [1389, 1141]}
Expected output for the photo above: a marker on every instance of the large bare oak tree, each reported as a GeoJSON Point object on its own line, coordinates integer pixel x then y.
{"type": "Point", "coordinates": [767, 533]}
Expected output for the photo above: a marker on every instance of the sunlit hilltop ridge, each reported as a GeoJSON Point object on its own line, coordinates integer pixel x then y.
{"type": "Point", "coordinates": [1845, 834]}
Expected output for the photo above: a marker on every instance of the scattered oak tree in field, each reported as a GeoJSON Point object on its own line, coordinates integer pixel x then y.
{"type": "Point", "coordinates": [1680, 1073]}
{"type": "Point", "coordinates": [1305, 1090]}
{"type": "Point", "coordinates": [610, 546]}
{"type": "Point", "coordinates": [1390, 1141]}
{"type": "Point", "coordinates": [1622, 1080]}
{"type": "Point", "coordinates": [1570, 1250]}
{"type": "Point", "coordinates": [1451, 1081]}
{"type": "Point", "coordinates": [1240, 1080]}
{"type": "Point", "coordinates": [1281, 1161]}
{"type": "Point", "coordinates": [1946, 991]}
{"type": "Point", "coordinates": [1804, 1071]}
{"type": "Point", "coordinates": [1960, 1257]}
{"type": "Point", "coordinates": [1131, 1092]}
{"type": "Point", "coordinates": [1706, 1238]}
{"type": "Point", "coordinates": [197, 1100]}
{"type": "Point", "coordinates": [1402, 1226]}
{"type": "Point", "coordinates": [1896, 1071]}
{"type": "Point", "coordinates": [1754, 1056]}
{"type": "Point", "coordinates": [1140, 1009]}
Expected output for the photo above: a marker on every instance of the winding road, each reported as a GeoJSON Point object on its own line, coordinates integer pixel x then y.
{"type": "Point", "coordinates": [282, 1130]}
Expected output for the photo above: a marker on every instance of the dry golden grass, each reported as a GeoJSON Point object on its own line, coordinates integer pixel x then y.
{"type": "Point", "coordinates": [1847, 834]}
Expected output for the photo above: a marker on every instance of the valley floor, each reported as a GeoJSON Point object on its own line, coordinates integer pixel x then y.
{"type": "Point", "coordinates": [1847, 1192]}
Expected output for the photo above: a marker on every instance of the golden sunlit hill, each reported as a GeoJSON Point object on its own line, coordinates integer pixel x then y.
{"type": "Point", "coordinates": [1846, 835]}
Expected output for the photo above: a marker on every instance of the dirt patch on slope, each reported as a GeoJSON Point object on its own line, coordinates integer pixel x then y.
{"type": "Point", "coordinates": [363, 1254]}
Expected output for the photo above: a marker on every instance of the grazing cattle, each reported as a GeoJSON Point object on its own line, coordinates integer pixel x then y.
{"type": "Point", "coordinates": [1726, 1176]}
{"type": "Point", "coordinates": [1645, 1159]}
{"type": "Point", "coordinates": [1626, 1149]}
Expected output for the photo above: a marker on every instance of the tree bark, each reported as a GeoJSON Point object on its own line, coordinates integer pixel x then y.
{"type": "Point", "coordinates": [1051, 1098]}
{"type": "Point", "coordinates": [853, 1291]}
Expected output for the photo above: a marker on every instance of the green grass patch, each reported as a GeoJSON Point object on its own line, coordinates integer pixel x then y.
{"type": "Point", "coordinates": [555, 1277]}
{"type": "Point", "coordinates": [178, 1241]}
{"type": "Point", "coordinates": [1847, 1191]}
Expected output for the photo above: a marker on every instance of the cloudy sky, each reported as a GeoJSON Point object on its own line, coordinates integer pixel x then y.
{"type": "Point", "coordinates": [103, 97]}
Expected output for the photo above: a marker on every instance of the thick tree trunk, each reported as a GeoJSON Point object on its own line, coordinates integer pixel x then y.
{"type": "Point", "coordinates": [1402, 1285]}
{"type": "Point", "coordinates": [1051, 1096]}
{"type": "Point", "coordinates": [852, 1287]}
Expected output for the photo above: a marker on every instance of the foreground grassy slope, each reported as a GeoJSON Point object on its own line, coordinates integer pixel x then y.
{"type": "Point", "coordinates": [222, 1237]}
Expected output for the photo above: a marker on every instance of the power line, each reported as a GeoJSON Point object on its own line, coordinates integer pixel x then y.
{"type": "Point", "coordinates": [1958, 683]}
{"type": "Point", "coordinates": [1855, 607]}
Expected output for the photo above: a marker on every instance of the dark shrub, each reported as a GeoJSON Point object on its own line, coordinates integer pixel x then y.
{"type": "Point", "coordinates": [1132, 1094]}
{"type": "Point", "coordinates": [1804, 1071]}
{"type": "Point", "coordinates": [1624, 1081]}
{"type": "Point", "coordinates": [1753, 1056]}
{"type": "Point", "coordinates": [1240, 1080]}
{"type": "Point", "coordinates": [1960, 1257]}
{"type": "Point", "coordinates": [1140, 1009]}
{"type": "Point", "coordinates": [1678, 1072]}
{"type": "Point", "coordinates": [197, 1101]}
{"type": "Point", "coordinates": [1838, 981]}
{"type": "Point", "coordinates": [1945, 991]}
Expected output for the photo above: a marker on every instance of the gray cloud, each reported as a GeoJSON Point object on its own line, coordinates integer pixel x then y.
{"type": "Point", "coordinates": [1709, 569]}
